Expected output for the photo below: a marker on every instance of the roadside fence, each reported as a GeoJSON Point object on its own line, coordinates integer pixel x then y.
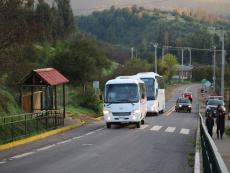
{"type": "Point", "coordinates": [19, 126]}
{"type": "Point", "coordinates": [212, 160]}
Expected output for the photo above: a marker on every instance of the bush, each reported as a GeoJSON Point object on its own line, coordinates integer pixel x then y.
{"type": "Point", "coordinates": [88, 99]}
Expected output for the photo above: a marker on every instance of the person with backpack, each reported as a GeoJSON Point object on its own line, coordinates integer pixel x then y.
{"type": "Point", "coordinates": [220, 121]}
{"type": "Point", "coordinates": [210, 124]}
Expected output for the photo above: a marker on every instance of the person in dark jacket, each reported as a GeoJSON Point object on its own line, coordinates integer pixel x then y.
{"type": "Point", "coordinates": [210, 124]}
{"type": "Point", "coordinates": [220, 121]}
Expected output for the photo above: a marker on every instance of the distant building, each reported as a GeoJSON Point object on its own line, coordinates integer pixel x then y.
{"type": "Point", "coordinates": [187, 72]}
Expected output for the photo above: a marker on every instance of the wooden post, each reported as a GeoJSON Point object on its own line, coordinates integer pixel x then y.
{"type": "Point", "coordinates": [64, 100]}
{"type": "Point", "coordinates": [42, 99]}
{"type": "Point", "coordinates": [32, 100]}
{"type": "Point", "coordinates": [55, 90]}
{"type": "Point", "coordinates": [21, 95]}
{"type": "Point", "coordinates": [46, 98]}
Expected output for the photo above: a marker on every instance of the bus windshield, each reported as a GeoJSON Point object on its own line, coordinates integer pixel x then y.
{"type": "Point", "coordinates": [150, 90]}
{"type": "Point", "coordinates": [121, 93]}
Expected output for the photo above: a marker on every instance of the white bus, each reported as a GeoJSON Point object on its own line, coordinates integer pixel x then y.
{"type": "Point", "coordinates": [155, 91]}
{"type": "Point", "coordinates": [125, 101]}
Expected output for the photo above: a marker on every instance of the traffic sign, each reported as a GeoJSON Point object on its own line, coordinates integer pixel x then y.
{"type": "Point", "coordinates": [208, 84]}
{"type": "Point", "coordinates": [204, 81]}
{"type": "Point", "coordinates": [96, 84]}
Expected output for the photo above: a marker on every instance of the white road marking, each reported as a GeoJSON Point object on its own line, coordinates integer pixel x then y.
{"type": "Point", "coordinates": [77, 137]}
{"type": "Point", "coordinates": [156, 128]}
{"type": "Point", "coordinates": [184, 131]}
{"type": "Point", "coordinates": [170, 129]}
{"type": "Point", "coordinates": [47, 147]}
{"type": "Point", "coordinates": [2, 162]}
{"type": "Point", "coordinates": [143, 127]}
{"type": "Point", "coordinates": [87, 144]}
{"type": "Point", "coordinates": [64, 142]}
{"type": "Point", "coordinates": [89, 133]}
{"type": "Point", "coordinates": [22, 155]}
{"type": "Point", "coordinates": [99, 129]}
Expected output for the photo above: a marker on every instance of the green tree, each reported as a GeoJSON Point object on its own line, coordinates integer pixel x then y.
{"type": "Point", "coordinates": [209, 71]}
{"type": "Point", "coordinates": [111, 35]}
{"type": "Point", "coordinates": [199, 73]}
{"type": "Point", "coordinates": [135, 9]}
{"type": "Point", "coordinates": [172, 63]}
{"type": "Point", "coordinates": [150, 57]}
{"type": "Point", "coordinates": [82, 62]}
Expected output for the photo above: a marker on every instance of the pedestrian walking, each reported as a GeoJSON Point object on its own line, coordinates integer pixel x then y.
{"type": "Point", "coordinates": [210, 124]}
{"type": "Point", "coordinates": [220, 121]}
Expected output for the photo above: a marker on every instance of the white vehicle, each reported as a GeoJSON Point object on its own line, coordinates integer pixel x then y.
{"type": "Point", "coordinates": [155, 91]}
{"type": "Point", "coordinates": [125, 101]}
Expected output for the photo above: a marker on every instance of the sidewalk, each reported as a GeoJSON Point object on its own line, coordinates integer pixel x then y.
{"type": "Point", "coordinates": [223, 145]}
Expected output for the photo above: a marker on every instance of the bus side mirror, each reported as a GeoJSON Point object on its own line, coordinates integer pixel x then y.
{"type": "Point", "coordinates": [143, 96]}
{"type": "Point", "coordinates": [100, 96]}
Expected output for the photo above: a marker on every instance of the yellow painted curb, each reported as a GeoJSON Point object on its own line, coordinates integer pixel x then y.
{"type": "Point", "coordinates": [99, 118]}
{"type": "Point", "coordinates": [33, 138]}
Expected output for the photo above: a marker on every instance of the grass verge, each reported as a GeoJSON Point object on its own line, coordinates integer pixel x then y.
{"type": "Point", "coordinates": [227, 130]}
{"type": "Point", "coordinates": [191, 158]}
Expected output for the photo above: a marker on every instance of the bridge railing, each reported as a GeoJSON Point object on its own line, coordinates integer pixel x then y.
{"type": "Point", "coordinates": [212, 160]}
{"type": "Point", "coordinates": [19, 126]}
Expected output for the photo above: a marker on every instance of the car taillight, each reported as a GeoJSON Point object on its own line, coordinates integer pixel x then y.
{"type": "Point", "coordinates": [191, 96]}
{"type": "Point", "coordinates": [183, 96]}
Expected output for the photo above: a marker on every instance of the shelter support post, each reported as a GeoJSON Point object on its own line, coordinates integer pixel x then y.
{"type": "Point", "coordinates": [64, 100]}
{"type": "Point", "coordinates": [55, 90]}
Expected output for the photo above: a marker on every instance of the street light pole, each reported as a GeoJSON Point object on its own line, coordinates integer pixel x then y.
{"type": "Point", "coordinates": [222, 74]}
{"type": "Point", "coordinates": [155, 46]}
{"type": "Point", "coordinates": [214, 68]}
{"type": "Point", "coordinates": [190, 51]}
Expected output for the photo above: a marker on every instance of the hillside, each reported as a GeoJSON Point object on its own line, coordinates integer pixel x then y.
{"type": "Point", "coordinates": [88, 6]}
{"type": "Point", "coordinates": [137, 27]}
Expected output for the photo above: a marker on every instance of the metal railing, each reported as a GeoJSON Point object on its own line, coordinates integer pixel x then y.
{"type": "Point", "coordinates": [212, 160]}
{"type": "Point", "coordinates": [23, 125]}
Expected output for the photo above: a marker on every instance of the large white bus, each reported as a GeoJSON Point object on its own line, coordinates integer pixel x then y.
{"type": "Point", "coordinates": [125, 101]}
{"type": "Point", "coordinates": [155, 91]}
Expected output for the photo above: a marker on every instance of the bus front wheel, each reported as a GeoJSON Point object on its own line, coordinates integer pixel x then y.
{"type": "Point", "coordinates": [143, 121]}
{"type": "Point", "coordinates": [138, 124]}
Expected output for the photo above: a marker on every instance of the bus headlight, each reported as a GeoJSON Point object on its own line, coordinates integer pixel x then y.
{"type": "Point", "coordinates": [105, 112]}
{"type": "Point", "coordinates": [180, 106]}
{"type": "Point", "coordinates": [154, 104]}
{"type": "Point", "coordinates": [137, 111]}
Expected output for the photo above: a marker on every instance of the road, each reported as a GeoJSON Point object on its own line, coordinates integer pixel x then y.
{"type": "Point", "coordinates": [161, 145]}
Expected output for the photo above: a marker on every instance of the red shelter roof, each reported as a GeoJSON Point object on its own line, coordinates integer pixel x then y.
{"type": "Point", "coordinates": [48, 76]}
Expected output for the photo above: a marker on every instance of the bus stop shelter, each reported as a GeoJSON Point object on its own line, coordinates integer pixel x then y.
{"type": "Point", "coordinates": [41, 78]}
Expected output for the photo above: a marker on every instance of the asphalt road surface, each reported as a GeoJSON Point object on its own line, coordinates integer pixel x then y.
{"type": "Point", "coordinates": [160, 145]}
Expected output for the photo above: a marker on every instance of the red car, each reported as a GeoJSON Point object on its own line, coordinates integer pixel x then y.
{"type": "Point", "coordinates": [188, 95]}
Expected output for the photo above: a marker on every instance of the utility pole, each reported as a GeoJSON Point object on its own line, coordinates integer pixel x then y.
{"type": "Point", "coordinates": [155, 46]}
{"type": "Point", "coordinates": [190, 51]}
{"type": "Point", "coordinates": [214, 68]}
{"type": "Point", "coordinates": [132, 52]}
{"type": "Point", "coordinates": [182, 63]}
{"type": "Point", "coordinates": [222, 74]}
